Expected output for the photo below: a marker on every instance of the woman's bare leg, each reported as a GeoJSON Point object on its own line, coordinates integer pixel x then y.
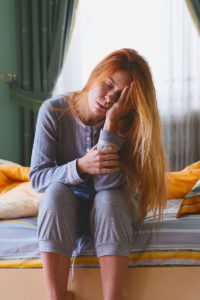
{"type": "Point", "coordinates": [56, 228]}
{"type": "Point", "coordinates": [56, 272]}
{"type": "Point", "coordinates": [113, 272]}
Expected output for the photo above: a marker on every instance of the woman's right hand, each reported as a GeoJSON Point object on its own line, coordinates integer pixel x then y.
{"type": "Point", "coordinates": [99, 161]}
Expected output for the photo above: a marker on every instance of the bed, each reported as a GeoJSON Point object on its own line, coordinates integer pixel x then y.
{"type": "Point", "coordinates": [164, 261]}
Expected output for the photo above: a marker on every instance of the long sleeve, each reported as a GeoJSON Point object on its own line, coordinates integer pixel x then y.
{"type": "Point", "coordinates": [44, 169]}
{"type": "Point", "coordinates": [112, 180]}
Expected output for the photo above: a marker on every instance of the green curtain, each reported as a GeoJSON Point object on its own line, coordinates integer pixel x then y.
{"type": "Point", "coordinates": [43, 30]}
{"type": "Point", "coordinates": [194, 8]}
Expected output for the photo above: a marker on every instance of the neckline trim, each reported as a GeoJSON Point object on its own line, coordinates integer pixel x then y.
{"type": "Point", "coordinates": [96, 126]}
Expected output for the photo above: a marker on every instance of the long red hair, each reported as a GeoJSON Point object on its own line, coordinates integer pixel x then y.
{"type": "Point", "coordinates": [143, 156]}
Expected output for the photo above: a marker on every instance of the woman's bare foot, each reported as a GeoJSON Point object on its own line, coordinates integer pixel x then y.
{"type": "Point", "coordinates": [70, 295]}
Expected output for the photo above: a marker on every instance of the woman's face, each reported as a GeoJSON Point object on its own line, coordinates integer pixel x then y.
{"type": "Point", "coordinates": [104, 95]}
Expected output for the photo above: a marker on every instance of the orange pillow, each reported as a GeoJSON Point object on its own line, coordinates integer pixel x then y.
{"type": "Point", "coordinates": [11, 176]}
{"type": "Point", "coordinates": [180, 183]}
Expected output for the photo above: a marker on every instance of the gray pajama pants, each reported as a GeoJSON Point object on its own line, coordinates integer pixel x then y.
{"type": "Point", "coordinates": [62, 217]}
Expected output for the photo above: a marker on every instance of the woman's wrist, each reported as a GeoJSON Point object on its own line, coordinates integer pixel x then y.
{"type": "Point", "coordinates": [80, 167]}
{"type": "Point", "coordinates": [110, 125]}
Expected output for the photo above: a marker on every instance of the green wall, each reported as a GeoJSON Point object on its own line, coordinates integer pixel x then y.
{"type": "Point", "coordinates": [9, 112]}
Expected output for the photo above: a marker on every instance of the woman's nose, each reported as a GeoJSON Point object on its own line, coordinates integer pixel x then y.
{"type": "Point", "coordinates": [110, 98]}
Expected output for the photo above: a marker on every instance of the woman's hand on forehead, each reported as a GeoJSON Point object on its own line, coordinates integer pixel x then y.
{"type": "Point", "coordinates": [123, 106]}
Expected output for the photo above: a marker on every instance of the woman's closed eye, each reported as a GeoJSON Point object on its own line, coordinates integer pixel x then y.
{"type": "Point", "coordinates": [108, 86]}
{"type": "Point", "coordinates": [118, 95]}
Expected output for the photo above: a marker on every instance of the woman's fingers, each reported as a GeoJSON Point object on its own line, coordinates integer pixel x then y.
{"type": "Point", "coordinates": [123, 95]}
{"type": "Point", "coordinates": [108, 150]}
{"type": "Point", "coordinates": [103, 156]}
{"type": "Point", "coordinates": [129, 97]}
{"type": "Point", "coordinates": [110, 163]}
{"type": "Point", "coordinates": [111, 157]}
{"type": "Point", "coordinates": [108, 153]}
{"type": "Point", "coordinates": [108, 170]}
{"type": "Point", "coordinates": [126, 95]}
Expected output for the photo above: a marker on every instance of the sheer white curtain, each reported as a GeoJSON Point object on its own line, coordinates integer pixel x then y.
{"type": "Point", "coordinates": [179, 88]}
{"type": "Point", "coordinates": [102, 26]}
{"type": "Point", "coordinates": [163, 32]}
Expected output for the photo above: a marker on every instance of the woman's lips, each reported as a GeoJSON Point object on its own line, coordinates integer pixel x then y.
{"type": "Point", "coordinates": [101, 106]}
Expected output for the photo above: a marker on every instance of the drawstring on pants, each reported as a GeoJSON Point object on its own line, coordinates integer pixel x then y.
{"type": "Point", "coordinates": [77, 251]}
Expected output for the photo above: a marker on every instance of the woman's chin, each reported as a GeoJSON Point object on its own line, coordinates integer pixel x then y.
{"type": "Point", "coordinates": [97, 117]}
{"type": "Point", "coordinates": [99, 112]}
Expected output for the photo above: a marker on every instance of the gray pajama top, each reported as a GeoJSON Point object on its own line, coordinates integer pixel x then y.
{"type": "Point", "coordinates": [60, 139]}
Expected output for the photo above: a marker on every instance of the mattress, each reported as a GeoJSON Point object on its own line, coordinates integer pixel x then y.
{"type": "Point", "coordinates": [172, 242]}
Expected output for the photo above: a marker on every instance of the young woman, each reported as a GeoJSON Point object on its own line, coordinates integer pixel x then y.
{"type": "Point", "coordinates": [93, 150]}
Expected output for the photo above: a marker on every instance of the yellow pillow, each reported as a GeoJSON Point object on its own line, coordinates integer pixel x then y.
{"type": "Point", "coordinates": [20, 201]}
{"type": "Point", "coordinates": [191, 202]}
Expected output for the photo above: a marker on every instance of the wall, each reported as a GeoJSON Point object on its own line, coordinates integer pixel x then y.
{"type": "Point", "coordinates": [9, 112]}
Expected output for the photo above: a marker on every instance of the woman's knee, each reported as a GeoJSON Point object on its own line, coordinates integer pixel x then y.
{"type": "Point", "coordinates": [110, 209]}
{"type": "Point", "coordinates": [107, 201]}
{"type": "Point", "coordinates": [57, 196]}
